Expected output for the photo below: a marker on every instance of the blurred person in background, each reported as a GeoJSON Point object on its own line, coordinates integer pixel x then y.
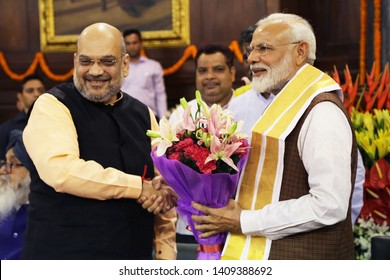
{"type": "Point", "coordinates": [145, 81]}
{"type": "Point", "coordinates": [32, 86]}
{"type": "Point", "coordinates": [215, 75]}
{"type": "Point", "coordinates": [214, 79]}
{"type": "Point", "coordinates": [14, 190]}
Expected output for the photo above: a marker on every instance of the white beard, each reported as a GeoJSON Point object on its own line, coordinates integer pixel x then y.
{"type": "Point", "coordinates": [275, 78]}
{"type": "Point", "coordinates": [11, 196]}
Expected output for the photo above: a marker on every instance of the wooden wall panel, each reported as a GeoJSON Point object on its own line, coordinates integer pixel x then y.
{"type": "Point", "coordinates": [221, 21]}
{"type": "Point", "coordinates": [211, 21]}
{"type": "Point", "coordinates": [13, 27]}
{"type": "Point", "coordinates": [336, 25]}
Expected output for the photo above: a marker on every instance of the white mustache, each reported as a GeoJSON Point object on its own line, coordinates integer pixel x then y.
{"type": "Point", "coordinates": [259, 66]}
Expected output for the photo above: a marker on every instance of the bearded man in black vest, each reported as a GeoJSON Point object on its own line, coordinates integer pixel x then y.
{"type": "Point", "coordinates": [92, 161]}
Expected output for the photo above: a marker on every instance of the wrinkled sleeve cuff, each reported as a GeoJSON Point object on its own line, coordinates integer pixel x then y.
{"type": "Point", "coordinates": [165, 252]}
{"type": "Point", "coordinates": [248, 220]}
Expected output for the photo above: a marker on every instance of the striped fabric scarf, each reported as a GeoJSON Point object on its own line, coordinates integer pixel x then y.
{"type": "Point", "coordinates": [261, 179]}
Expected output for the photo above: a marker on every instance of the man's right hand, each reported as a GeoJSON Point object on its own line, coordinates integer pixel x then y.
{"type": "Point", "coordinates": [157, 196]}
{"type": "Point", "coordinates": [169, 194]}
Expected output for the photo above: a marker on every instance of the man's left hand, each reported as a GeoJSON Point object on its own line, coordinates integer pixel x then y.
{"type": "Point", "coordinates": [217, 220]}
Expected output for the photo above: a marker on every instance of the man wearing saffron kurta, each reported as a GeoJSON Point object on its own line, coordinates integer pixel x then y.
{"type": "Point", "coordinates": [293, 199]}
{"type": "Point", "coordinates": [88, 143]}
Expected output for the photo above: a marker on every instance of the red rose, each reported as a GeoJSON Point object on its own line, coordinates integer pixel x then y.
{"type": "Point", "coordinates": [184, 143]}
{"type": "Point", "coordinates": [175, 155]}
{"type": "Point", "coordinates": [208, 168]}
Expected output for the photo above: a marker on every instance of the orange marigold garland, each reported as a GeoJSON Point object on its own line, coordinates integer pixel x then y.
{"type": "Point", "coordinates": [49, 73]}
{"type": "Point", "coordinates": [235, 48]}
{"type": "Point", "coordinates": [377, 36]}
{"type": "Point", "coordinates": [190, 51]}
{"type": "Point", "coordinates": [15, 76]}
{"type": "Point", "coordinates": [363, 28]}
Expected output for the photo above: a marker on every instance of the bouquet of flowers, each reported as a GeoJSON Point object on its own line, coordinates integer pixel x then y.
{"type": "Point", "coordinates": [373, 138]}
{"type": "Point", "coordinates": [200, 157]}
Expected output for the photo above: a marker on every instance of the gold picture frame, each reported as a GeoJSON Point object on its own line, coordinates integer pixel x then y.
{"type": "Point", "coordinates": [175, 35]}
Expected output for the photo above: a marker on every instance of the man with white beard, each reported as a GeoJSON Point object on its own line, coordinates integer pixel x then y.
{"type": "Point", "coordinates": [14, 191]}
{"type": "Point", "coordinates": [293, 199]}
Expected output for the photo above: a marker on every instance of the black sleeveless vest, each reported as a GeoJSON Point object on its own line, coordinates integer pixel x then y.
{"type": "Point", "coordinates": [63, 226]}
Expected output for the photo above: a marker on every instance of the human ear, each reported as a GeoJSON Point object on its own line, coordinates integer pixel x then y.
{"type": "Point", "coordinates": [302, 53]}
{"type": "Point", "coordinates": [233, 71]}
{"type": "Point", "coordinates": [126, 62]}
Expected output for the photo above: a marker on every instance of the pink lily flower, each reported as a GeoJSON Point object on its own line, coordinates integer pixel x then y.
{"type": "Point", "coordinates": [218, 151]}
{"type": "Point", "coordinates": [186, 123]}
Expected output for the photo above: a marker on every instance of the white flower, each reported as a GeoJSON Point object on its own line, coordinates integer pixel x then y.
{"type": "Point", "coordinates": [364, 230]}
{"type": "Point", "coordinates": [164, 138]}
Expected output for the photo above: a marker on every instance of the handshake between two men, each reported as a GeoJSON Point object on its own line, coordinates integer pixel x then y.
{"type": "Point", "coordinates": [158, 197]}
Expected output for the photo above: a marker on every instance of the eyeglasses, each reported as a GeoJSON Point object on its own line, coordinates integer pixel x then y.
{"type": "Point", "coordinates": [8, 166]}
{"type": "Point", "coordinates": [264, 49]}
{"type": "Point", "coordinates": [105, 61]}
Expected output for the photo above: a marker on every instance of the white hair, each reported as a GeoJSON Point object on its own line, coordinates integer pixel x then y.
{"type": "Point", "coordinates": [300, 30]}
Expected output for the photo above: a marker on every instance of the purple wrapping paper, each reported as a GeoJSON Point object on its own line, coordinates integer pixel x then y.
{"type": "Point", "coordinates": [212, 190]}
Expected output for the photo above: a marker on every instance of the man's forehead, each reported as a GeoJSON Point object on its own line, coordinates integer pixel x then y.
{"type": "Point", "coordinates": [98, 52]}
{"type": "Point", "coordinates": [132, 41]}
{"type": "Point", "coordinates": [33, 83]}
{"type": "Point", "coordinates": [275, 31]}
{"type": "Point", "coordinates": [99, 45]}
{"type": "Point", "coordinates": [10, 155]}
{"type": "Point", "coordinates": [214, 59]}
{"type": "Point", "coordinates": [132, 38]}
